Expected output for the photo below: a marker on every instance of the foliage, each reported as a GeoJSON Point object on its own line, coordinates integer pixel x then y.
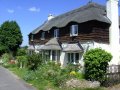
{"type": "Point", "coordinates": [21, 57]}
{"type": "Point", "coordinates": [72, 67]}
{"type": "Point", "coordinates": [96, 62]}
{"type": "Point", "coordinates": [10, 36]}
{"type": "Point", "coordinates": [5, 59]}
{"type": "Point", "coordinates": [3, 49]}
{"type": "Point", "coordinates": [29, 76]}
{"type": "Point", "coordinates": [48, 76]}
{"type": "Point", "coordinates": [21, 52]}
{"type": "Point", "coordinates": [34, 61]}
{"type": "Point", "coordinates": [21, 61]}
{"type": "Point", "coordinates": [44, 74]}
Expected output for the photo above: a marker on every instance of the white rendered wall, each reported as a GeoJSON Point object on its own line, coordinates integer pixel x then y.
{"type": "Point", "coordinates": [103, 46]}
{"type": "Point", "coordinates": [112, 14]}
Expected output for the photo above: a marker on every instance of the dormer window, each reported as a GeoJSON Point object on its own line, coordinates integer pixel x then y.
{"type": "Point", "coordinates": [32, 37]}
{"type": "Point", "coordinates": [74, 30]}
{"type": "Point", "coordinates": [43, 36]}
{"type": "Point", "coordinates": [56, 33]}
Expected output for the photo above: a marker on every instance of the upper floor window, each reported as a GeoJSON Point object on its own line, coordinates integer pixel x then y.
{"type": "Point", "coordinates": [56, 33]}
{"type": "Point", "coordinates": [74, 30]}
{"type": "Point", "coordinates": [43, 36]}
{"type": "Point", "coordinates": [32, 37]}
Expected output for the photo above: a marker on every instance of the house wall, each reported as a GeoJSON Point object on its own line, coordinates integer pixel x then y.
{"type": "Point", "coordinates": [92, 34]}
{"type": "Point", "coordinates": [92, 30]}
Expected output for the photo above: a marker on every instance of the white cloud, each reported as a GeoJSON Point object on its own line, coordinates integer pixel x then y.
{"type": "Point", "coordinates": [34, 9]}
{"type": "Point", "coordinates": [10, 11]}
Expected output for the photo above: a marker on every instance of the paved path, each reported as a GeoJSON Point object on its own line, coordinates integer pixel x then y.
{"type": "Point", "coordinates": [8, 81]}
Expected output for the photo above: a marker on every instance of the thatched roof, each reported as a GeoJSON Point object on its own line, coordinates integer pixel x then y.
{"type": "Point", "coordinates": [91, 11]}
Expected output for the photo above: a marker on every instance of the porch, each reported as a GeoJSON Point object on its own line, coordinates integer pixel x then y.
{"type": "Point", "coordinates": [71, 53]}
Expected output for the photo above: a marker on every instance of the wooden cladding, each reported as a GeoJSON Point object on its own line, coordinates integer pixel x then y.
{"type": "Point", "coordinates": [94, 31]}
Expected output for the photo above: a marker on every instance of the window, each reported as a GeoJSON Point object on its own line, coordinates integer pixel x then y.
{"type": "Point", "coordinates": [31, 37]}
{"type": "Point", "coordinates": [55, 55]}
{"type": "Point", "coordinates": [56, 33]}
{"type": "Point", "coordinates": [74, 30]}
{"type": "Point", "coordinates": [73, 58]}
{"type": "Point", "coordinates": [43, 36]}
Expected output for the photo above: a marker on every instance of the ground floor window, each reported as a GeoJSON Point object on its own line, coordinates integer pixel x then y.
{"type": "Point", "coordinates": [55, 55]}
{"type": "Point", "coordinates": [73, 58]}
{"type": "Point", "coordinates": [31, 52]}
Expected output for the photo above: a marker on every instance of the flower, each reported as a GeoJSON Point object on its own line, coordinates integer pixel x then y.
{"type": "Point", "coordinates": [73, 73]}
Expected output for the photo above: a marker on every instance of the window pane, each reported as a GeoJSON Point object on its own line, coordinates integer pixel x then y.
{"type": "Point", "coordinates": [56, 33]}
{"type": "Point", "coordinates": [76, 57]}
{"type": "Point", "coordinates": [72, 57]}
{"type": "Point", "coordinates": [53, 55]}
{"type": "Point", "coordinates": [69, 58]}
{"type": "Point", "coordinates": [74, 30]}
{"type": "Point", "coordinates": [43, 35]}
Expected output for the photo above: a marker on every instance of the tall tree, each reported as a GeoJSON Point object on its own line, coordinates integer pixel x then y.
{"type": "Point", "coordinates": [10, 36]}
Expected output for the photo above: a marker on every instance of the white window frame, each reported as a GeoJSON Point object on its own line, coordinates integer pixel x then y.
{"type": "Point", "coordinates": [74, 58]}
{"type": "Point", "coordinates": [74, 30]}
{"type": "Point", "coordinates": [43, 36]}
{"type": "Point", "coordinates": [56, 33]}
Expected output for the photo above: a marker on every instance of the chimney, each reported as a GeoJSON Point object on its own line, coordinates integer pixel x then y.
{"type": "Point", "coordinates": [113, 15]}
{"type": "Point", "coordinates": [50, 16]}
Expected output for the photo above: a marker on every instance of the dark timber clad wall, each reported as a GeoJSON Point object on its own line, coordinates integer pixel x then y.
{"type": "Point", "coordinates": [92, 30]}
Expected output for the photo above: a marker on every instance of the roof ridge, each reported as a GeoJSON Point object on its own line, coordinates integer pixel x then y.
{"type": "Point", "coordinates": [87, 6]}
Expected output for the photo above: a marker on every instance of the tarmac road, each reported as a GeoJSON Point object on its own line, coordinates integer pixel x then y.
{"type": "Point", "coordinates": [9, 81]}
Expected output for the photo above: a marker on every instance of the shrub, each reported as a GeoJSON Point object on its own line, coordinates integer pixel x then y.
{"type": "Point", "coordinates": [5, 59]}
{"type": "Point", "coordinates": [72, 67]}
{"type": "Point", "coordinates": [51, 72]}
{"type": "Point", "coordinates": [21, 52]}
{"type": "Point", "coordinates": [96, 62]}
{"type": "Point", "coordinates": [34, 61]}
{"type": "Point", "coordinates": [21, 61]}
{"type": "Point", "coordinates": [29, 76]}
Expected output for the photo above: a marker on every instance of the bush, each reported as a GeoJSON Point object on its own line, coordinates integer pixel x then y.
{"type": "Point", "coordinates": [21, 52]}
{"type": "Point", "coordinates": [21, 61]}
{"type": "Point", "coordinates": [34, 61]}
{"type": "Point", "coordinates": [29, 76]}
{"type": "Point", "coordinates": [73, 67]}
{"type": "Point", "coordinates": [51, 72]}
{"type": "Point", "coordinates": [96, 62]}
{"type": "Point", "coordinates": [5, 59]}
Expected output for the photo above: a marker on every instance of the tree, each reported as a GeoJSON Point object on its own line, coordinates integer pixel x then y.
{"type": "Point", "coordinates": [96, 62]}
{"type": "Point", "coordinates": [10, 36]}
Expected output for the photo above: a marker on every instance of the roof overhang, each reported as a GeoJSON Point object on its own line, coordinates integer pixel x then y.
{"type": "Point", "coordinates": [73, 47]}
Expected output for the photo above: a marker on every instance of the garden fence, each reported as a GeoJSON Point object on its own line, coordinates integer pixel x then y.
{"type": "Point", "coordinates": [113, 75]}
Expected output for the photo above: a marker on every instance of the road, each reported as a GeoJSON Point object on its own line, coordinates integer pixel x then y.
{"type": "Point", "coordinates": [9, 81]}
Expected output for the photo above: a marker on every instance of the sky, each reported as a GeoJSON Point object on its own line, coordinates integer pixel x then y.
{"type": "Point", "coordinates": [29, 14]}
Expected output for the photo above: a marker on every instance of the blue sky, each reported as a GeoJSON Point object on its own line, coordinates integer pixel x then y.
{"type": "Point", "coordinates": [30, 14]}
